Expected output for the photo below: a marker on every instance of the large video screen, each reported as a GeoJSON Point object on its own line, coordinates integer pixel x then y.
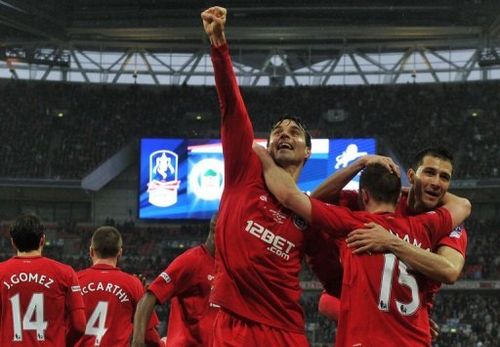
{"type": "Point", "coordinates": [183, 179]}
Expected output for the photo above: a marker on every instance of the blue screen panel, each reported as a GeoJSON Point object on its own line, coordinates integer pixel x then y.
{"type": "Point", "coordinates": [184, 178]}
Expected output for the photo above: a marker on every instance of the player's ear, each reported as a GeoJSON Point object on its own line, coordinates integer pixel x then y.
{"type": "Point", "coordinates": [308, 152]}
{"type": "Point", "coordinates": [411, 175]}
{"type": "Point", "coordinates": [42, 241]}
{"type": "Point", "coordinates": [365, 197]}
{"type": "Point", "coordinates": [91, 252]}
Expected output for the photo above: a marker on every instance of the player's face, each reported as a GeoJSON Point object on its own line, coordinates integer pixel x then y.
{"type": "Point", "coordinates": [430, 182]}
{"type": "Point", "coordinates": [287, 144]}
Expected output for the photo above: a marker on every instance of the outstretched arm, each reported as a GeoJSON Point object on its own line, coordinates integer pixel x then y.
{"type": "Point", "coordinates": [236, 128]}
{"type": "Point", "coordinates": [282, 185]}
{"type": "Point", "coordinates": [214, 20]}
{"type": "Point", "coordinates": [329, 189]}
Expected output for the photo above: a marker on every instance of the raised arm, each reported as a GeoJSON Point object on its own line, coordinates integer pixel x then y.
{"type": "Point", "coordinates": [329, 189]}
{"type": "Point", "coordinates": [282, 185]}
{"type": "Point", "coordinates": [236, 128]}
{"type": "Point", "coordinates": [214, 20]}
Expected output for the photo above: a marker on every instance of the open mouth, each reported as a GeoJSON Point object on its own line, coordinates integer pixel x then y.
{"type": "Point", "coordinates": [432, 194]}
{"type": "Point", "coordinates": [284, 145]}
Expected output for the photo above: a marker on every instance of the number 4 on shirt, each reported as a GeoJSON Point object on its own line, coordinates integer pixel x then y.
{"type": "Point", "coordinates": [97, 320]}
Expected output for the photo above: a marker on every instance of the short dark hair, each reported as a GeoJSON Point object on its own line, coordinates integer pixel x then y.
{"type": "Point", "coordinates": [106, 242]}
{"type": "Point", "coordinates": [26, 232]}
{"type": "Point", "coordinates": [297, 121]}
{"type": "Point", "coordinates": [438, 152]}
{"type": "Point", "coordinates": [383, 185]}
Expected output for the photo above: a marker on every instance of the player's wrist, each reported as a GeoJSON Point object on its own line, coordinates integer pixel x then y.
{"type": "Point", "coordinates": [395, 245]}
{"type": "Point", "coordinates": [217, 40]}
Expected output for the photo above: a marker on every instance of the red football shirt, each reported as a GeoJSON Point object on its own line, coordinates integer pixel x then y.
{"type": "Point", "coordinates": [186, 282]}
{"type": "Point", "coordinates": [110, 297]}
{"type": "Point", "coordinates": [259, 243]}
{"type": "Point", "coordinates": [456, 239]}
{"type": "Point", "coordinates": [37, 294]}
{"type": "Point", "coordinates": [379, 293]}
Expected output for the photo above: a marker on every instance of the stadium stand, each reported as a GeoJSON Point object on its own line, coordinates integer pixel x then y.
{"type": "Point", "coordinates": [401, 117]}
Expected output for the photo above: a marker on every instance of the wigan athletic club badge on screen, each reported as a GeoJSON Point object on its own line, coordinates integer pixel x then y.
{"type": "Point", "coordinates": [163, 183]}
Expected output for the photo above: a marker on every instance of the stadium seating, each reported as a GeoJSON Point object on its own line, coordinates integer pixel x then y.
{"type": "Point", "coordinates": [98, 120]}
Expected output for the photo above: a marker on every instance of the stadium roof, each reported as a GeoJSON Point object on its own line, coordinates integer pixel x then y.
{"type": "Point", "coordinates": [302, 33]}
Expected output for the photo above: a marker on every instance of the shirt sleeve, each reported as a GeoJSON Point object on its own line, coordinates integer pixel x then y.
{"type": "Point", "coordinates": [236, 127]}
{"type": "Point", "coordinates": [437, 223]}
{"type": "Point", "coordinates": [329, 306]}
{"type": "Point", "coordinates": [176, 278]}
{"type": "Point", "coordinates": [457, 240]}
{"type": "Point", "coordinates": [335, 220]}
{"type": "Point", "coordinates": [74, 297]}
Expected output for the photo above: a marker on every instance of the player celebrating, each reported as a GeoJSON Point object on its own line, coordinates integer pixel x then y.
{"type": "Point", "coordinates": [378, 293]}
{"type": "Point", "coordinates": [186, 282]}
{"type": "Point", "coordinates": [259, 245]}
{"type": "Point", "coordinates": [110, 295]}
{"type": "Point", "coordinates": [430, 176]}
{"type": "Point", "coordinates": [39, 297]}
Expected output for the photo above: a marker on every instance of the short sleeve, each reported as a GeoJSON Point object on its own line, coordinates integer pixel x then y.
{"type": "Point", "coordinates": [175, 278]}
{"type": "Point", "coordinates": [74, 298]}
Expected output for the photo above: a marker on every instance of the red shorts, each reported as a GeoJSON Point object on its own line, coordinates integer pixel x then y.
{"type": "Point", "coordinates": [230, 331]}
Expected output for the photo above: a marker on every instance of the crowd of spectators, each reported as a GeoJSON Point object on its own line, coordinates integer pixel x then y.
{"type": "Point", "coordinates": [466, 318]}
{"type": "Point", "coordinates": [483, 257]}
{"type": "Point", "coordinates": [98, 120]}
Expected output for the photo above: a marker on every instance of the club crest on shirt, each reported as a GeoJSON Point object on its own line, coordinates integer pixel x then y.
{"type": "Point", "coordinates": [278, 216]}
{"type": "Point", "coordinates": [457, 232]}
{"type": "Point", "coordinates": [163, 183]}
{"type": "Point", "coordinates": [299, 222]}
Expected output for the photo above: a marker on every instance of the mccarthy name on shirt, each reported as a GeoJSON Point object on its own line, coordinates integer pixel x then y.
{"type": "Point", "coordinates": [106, 287]}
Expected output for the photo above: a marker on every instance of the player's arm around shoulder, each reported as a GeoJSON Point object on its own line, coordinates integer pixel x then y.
{"type": "Point", "coordinates": [458, 207]}
{"type": "Point", "coordinates": [282, 185]}
{"type": "Point", "coordinates": [331, 187]}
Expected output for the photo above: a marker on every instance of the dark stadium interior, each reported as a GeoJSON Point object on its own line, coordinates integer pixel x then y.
{"type": "Point", "coordinates": [45, 157]}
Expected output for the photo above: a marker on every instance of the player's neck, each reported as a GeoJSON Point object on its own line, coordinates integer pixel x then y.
{"type": "Point", "coordinates": [294, 171]}
{"type": "Point", "coordinates": [380, 208]}
{"type": "Point", "coordinates": [35, 253]}
{"type": "Point", "coordinates": [108, 261]}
